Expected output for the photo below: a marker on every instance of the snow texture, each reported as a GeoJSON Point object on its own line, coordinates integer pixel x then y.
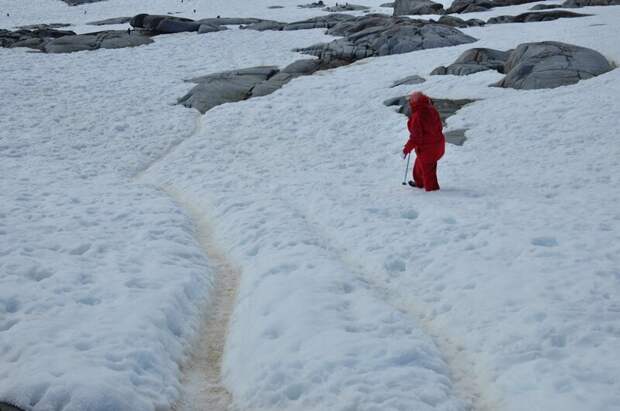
{"type": "Point", "coordinates": [498, 292]}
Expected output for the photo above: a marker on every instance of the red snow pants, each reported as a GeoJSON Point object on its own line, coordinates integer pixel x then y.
{"type": "Point", "coordinates": [425, 166]}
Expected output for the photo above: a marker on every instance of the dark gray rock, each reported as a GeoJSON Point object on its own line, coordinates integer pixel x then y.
{"type": "Point", "coordinates": [228, 21]}
{"type": "Point", "coordinates": [414, 7]}
{"type": "Point", "coordinates": [390, 5]}
{"type": "Point", "coordinates": [530, 17]}
{"type": "Point", "coordinates": [546, 7]}
{"type": "Point", "coordinates": [265, 25]}
{"type": "Point", "coordinates": [320, 22]}
{"type": "Point", "coordinates": [78, 2]}
{"type": "Point", "coordinates": [380, 35]}
{"type": "Point", "coordinates": [93, 41]}
{"type": "Point", "coordinates": [456, 137]}
{"type": "Point", "coordinates": [474, 61]}
{"type": "Point", "coordinates": [226, 87]}
{"type": "Point", "coordinates": [30, 38]}
{"type": "Point", "coordinates": [4, 406]}
{"type": "Point", "coordinates": [550, 64]}
{"type": "Point", "coordinates": [345, 7]}
{"type": "Point", "coordinates": [208, 28]}
{"type": "Point", "coordinates": [315, 5]}
{"type": "Point", "coordinates": [114, 20]}
{"type": "Point", "coordinates": [275, 7]}
{"type": "Point", "coordinates": [158, 24]}
{"type": "Point", "coordinates": [299, 68]}
{"type": "Point", "coordinates": [471, 6]}
{"type": "Point", "coordinates": [414, 79]}
{"type": "Point", "coordinates": [44, 26]}
{"type": "Point", "coordinates": [586, 3]}
{"type": "Point", "coordinates": [454, 21]}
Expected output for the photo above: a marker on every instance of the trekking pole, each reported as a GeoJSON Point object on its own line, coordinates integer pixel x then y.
{"type": "Point", "coordinates": [406, 170]}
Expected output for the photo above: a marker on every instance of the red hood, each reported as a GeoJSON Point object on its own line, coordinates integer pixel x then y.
{"type": "Point", "coordinates": [418, 101]}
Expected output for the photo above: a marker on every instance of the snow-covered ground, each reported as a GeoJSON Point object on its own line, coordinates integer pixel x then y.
{"type": "Point", "coordinates": [500, 292]}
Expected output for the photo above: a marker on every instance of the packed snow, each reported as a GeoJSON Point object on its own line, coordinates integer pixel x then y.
{"type": "Point", "coordinates": [499, 292]}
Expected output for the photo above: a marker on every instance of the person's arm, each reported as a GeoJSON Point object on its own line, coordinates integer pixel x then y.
{"type": "Point", "coordinates": [415, 131]}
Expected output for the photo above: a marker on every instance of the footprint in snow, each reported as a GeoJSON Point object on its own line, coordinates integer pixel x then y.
{"type": "Point", "coordinates": [409, 214]}
{"type": "Point", "coordinates": [544, 241]}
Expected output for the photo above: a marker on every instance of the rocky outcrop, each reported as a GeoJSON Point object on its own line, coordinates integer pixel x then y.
{"type": "Point", "coordinates": [415, 7]}
{"type": "Point", "coordinates": [299, 68]}
{"type": "Point", "coordinates": [475, 60]}
{"type": "Point", "coordinates": [380, 35]}
{"type": "Point", "coordinates": [30, 38]}
{"type": "Point", "coordinates": [471, 6]}
{"type": "Point", "coordinates": [320, 22]}
{"type": "Point", "coordinates": [4, 406]}
{"type": "Point", "coordinates": [266, 25]}
{"type": "Point", "coordinates": [315, 5]}
{"type": "Point", "coordinates": [454, 21]}
{"type": "Point", "coordinates": [345, 7]}
{"type": "Point", "coordinates": [551, 64]}
{"type": "Point", "coordinates": [586, 3]}
{"type": "Point", "coordinates": [535, 17]}
{"type": "Point", "coordinates": [44, 26]}
{"type": "Point", "coordinates": [78, 2]}
{"type": "Point", "coordinates": [226, 87]}
{"type": "Point", "coordinates": [445, 107]}
{"type": "Point", "coordinates": [93, 41]}
{"type": "Point", "coordinates": [113, 20]}
{"type": "Point", "coordinates": [156, 24]}
{"type": "Point", "coordinates": [546, 7]}
{"type": "Point", "coordinates": [547, 64]}
{"type": "Point", "coordinates": [414, 79]}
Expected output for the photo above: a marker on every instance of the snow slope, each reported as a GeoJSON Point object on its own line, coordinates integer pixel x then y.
{"type": "Point", "coordinates": [498, 292]}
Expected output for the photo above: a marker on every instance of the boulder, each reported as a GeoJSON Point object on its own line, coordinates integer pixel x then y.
{"type": "Point", "coordinates": [299, 68]}
{"type": "Point", "coordinates": [320, 22]}
{"type": "Point", "coordinates": [30, 38]}
{"type": "Point", "coordinates": [586, 3]}
{"type": "Point", "coordinates": [474, 61]}
{"type": "Point", "coordinates": [44, 26]}
{"type": "Point", "coordinates": [228, 21]}
{"type": "Point", "coordinates": [208, 28]}
{"type": "Point", "coordinates": [546, 7]}
{"type": "Point", "coordinates": [5, 406]}
{"type": "Point", "coordinates": [225, 87]}
{"type": "Point", "coordinates": [551, 64]}
{"type": "Point", "coordinates": [471, 6]}
{"type": "Point", "coordinates": [390, 5]}
{"type": "Point", "coordinates": [345, 7]}
{"type": "Point", "coordinates": [158, 24]}
{"type": "Point", "coordinates": [113, 20]}
{"type": "Point", "coordinates": [315, 5]}
{"type": "Point", "coordinates": [265, 25]}
{"type": "Point", "coordinates": [93, 41]}
{"type": "Point", "coordinates": [454, 21]}
{"type": "Point", "coordinates": [413, 7]}
{"type": "Point", "coordinates": [380, 35]}
{"type": "Point", "coordinates": [78, 2]}
{"type": "Point", "coordinates": [530, 17]}
{"type": "Point", "coordinates": [409, 80]}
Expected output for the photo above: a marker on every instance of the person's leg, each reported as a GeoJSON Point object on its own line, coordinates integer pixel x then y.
{"type": "Point", "coordinates": [429, 173]}
{"type": "Point", "coordinates": [418, 174]}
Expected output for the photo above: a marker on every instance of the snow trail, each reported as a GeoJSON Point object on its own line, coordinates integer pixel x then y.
{"type": "Point", "coordinates": [202, 385]}
{"type": "Point", "coordinates": [466, 375]}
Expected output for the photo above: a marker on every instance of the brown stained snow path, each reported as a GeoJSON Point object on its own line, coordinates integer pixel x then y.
{"type": "Point", "coordinates": [202, 385]}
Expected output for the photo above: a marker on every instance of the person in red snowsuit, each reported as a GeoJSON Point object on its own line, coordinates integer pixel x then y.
{"type": "Point", "coordinates": [427, 139]}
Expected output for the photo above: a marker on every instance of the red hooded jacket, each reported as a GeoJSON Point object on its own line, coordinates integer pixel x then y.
{"type": "Point", "coordinates": [425, 130]}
